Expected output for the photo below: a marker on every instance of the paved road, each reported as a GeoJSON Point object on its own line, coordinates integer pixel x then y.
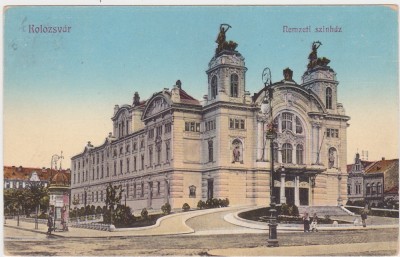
{"type": "Point", "coordinates": [30, 244]}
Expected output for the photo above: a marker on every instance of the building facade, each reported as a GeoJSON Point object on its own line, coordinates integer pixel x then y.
{"type": "Point", "coordinates": [174, 148]}
{"type": "Point", "coordinates": [364, 185]}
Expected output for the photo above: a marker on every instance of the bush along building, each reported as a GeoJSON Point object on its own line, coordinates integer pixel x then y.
{"type": "Point", "coordinates": [172, 148]}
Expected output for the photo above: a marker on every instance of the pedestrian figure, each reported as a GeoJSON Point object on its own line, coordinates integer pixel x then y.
{"type": "Point", "coordinates": [306, 220]}
{"type": "Point", "coordinates": [314, 223]}
{"type": "Point", "coordinates": [363, 218]}
{"type": "Point", "coordinates": [49, 224]}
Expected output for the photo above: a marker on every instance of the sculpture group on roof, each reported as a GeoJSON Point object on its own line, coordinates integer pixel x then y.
{"type": "Point", "coordinates": [313, 57]}
{"type": "Point", "coordinates": [221, 40]}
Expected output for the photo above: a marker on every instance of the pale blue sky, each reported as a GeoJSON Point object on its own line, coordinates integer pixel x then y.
{"type": "Point", "coordinates": [60, 89]}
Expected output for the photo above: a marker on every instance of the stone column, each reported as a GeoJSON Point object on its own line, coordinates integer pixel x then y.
{"type": "Point", "coordinates": [283, 181]}
{"type": "Point", "coordinates": [296, 191]}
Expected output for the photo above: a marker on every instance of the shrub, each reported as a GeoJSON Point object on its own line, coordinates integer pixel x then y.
{"type": "Point", "coordinates": [201, 204]}
{"type": "Point", "coordinates": [209, 203]}
{"type": "Point", "coordinates": [226, 202]}
{"type": "Point", "coordinates": [166, 208]}
{"type": "Point", "coordinates": [185, 207]}
{"type": "Point", "coordinates": [123, 216]}
{"type": "Point", "coordinates": [144, 214]}
{"type": "Point", "coordinates": [99, 210]}
{"type": "Point", "coordinates": [215, 203]}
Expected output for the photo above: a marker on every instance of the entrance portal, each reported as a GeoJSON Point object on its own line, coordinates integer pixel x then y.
{"type": "Point", "coordinates": [303, 196]}
{"type": "Point", "coordinates": [289, 194]}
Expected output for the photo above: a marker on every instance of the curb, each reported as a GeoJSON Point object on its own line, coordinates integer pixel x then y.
{"type": "Point", "coordinates": [234, 219]}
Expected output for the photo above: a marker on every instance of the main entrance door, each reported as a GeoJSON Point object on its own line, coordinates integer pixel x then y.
{"type": "Point", "coordinates": [289, 194]}
{"type": "Point", "coordinates": [303, 196]}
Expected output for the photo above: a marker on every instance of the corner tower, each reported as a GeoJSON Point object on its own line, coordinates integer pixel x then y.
{"type": "Point", "coordinates": [226, 72]}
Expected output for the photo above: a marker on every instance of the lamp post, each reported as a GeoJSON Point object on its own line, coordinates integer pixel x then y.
{"type": "Point", "coordinates": [266, 109]}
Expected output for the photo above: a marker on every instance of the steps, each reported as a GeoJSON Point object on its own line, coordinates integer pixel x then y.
{"type": "Point", "coordinates": [321, 211]}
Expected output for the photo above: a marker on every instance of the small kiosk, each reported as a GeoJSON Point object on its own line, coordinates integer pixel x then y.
{"type": "Point", "coordinates": [59, 200]}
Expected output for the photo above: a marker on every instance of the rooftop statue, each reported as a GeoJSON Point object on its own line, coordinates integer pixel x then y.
{"type": "Point", "coordinates": [221, 40]}
{"type": "Point", "coordinates": [313, 57]}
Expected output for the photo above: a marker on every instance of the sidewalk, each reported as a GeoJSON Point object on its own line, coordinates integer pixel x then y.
{"type": "Point", "coordinates": [338, 249]}
{"type": "Point", "coordinates": [176, 224]}
{"type": "Point", "coordinates": [169, 225]}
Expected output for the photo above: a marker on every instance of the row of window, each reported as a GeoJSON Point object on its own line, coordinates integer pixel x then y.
{"type": "Point", "coordinates": [22, 184]}
{"type": "Point", "coordinates": [210, 125]}
{"type": "Point", "coordinates": [234, 86]}
{"type": "Point", "coordinates": [100, 171]}
{"type": "Point", "coordinates": [288, 121]}
{"type": "Point", "coordinates": [100, 197]}
{"type": "Point", "coordinates": [371, 189]}
{"type": "Point", "coordinates": [192, 126]}
{"type": "Point", "coordinates": [287, 153]}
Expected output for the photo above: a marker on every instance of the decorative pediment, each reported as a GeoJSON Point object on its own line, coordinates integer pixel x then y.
{"type": "Point", "coordinates": [156, 105]}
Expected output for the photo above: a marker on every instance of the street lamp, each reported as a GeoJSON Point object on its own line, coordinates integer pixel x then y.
{"type": "Point", "coordinates": [266, 109]}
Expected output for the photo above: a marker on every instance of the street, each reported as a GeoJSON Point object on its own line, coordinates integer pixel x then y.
{"type": "Point", "coordinates": [34, 244]}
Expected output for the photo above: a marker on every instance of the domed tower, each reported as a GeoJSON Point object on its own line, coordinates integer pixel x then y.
{"type": "Point", "coordinates": [321, 79]}
{"type": "Point", "coordinates": [59, 198]}
{"type": "Point", "coordinates": [226, 72]}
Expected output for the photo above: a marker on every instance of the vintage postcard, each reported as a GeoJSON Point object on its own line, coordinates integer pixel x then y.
{"type": "Point", "coordinates": [241, 130]}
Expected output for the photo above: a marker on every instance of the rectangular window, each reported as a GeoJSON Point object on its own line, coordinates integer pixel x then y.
{"type": "Point", "coordinates": [332, 133]}
{"type": "Point", "coordinates": [235, 124]}
{"type": "Point", "coordinates": [134, 163]}
{"type": "Point", "coordinates": [167, 128]}
{"type": "Point", "coordinates": [159, 130]}
{"type": "Point", "coordinates": [151, 133]}
{"type": "Point", "coordinates": [192, 126]}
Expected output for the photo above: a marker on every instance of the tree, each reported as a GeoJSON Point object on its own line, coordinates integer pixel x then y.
{"type": "Point", "coordinates": [113, 197]}
{"type": "Point", "coordinates": [36, 195]}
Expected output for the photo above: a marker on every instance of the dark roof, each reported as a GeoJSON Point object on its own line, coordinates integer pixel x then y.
{"type": "Point", "coordinates": [60, 179]}
{"type": "Point", "coordinates": [186, 98]}
{"type": "Point", "coordinates": [393, 190]}
{"type": "Point", "coordinates": [365, 164]}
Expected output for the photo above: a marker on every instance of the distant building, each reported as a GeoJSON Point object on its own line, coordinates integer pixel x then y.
{"type": "Point", "coordinates": [174, 148]}
{"type": "Point", "coordinates": [373, 181]}
{"type": "Point", "coordinates": [21, 177]}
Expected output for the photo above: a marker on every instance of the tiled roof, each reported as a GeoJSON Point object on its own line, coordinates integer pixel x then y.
{"type": "Point", "coordinates": [365, 164]}
{"type": "Point", "coordinates": [24, 173]}
{"type": "Point", "coordinates": [187, 99]}
{"type": "Point", "coordinates": [393, 190]}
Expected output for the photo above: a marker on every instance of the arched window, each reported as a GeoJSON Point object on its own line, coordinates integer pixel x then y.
{"type": "Point", "coordinates": [214, 87]}
{"type": "Point", "coordinates": [373, 189]}
{"type": "Point", "coordinates": [299, 128]}
{"type": "Point", "coordinates": [299, 154]}
{"type": "Point", "coordinates": [287, 121]}
{"type": "Point", "coordinates": [210, 151]}
{"type": "Point", "coordinates": [368, 189]}
{"type": "Point", "coordinates": [328, 98]}
{"type": "Point", "coordinates": [287, 153]}
{"type": "Point", "coordinates": [234, 85]}
{"type": "Point", "coordinates": [237, 151]}
{"type": "Point", "coordinates": [379, 188]}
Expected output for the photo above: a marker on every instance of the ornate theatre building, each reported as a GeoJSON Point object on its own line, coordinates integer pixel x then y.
{"type": "Point", "coordinates": [174, 148]}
